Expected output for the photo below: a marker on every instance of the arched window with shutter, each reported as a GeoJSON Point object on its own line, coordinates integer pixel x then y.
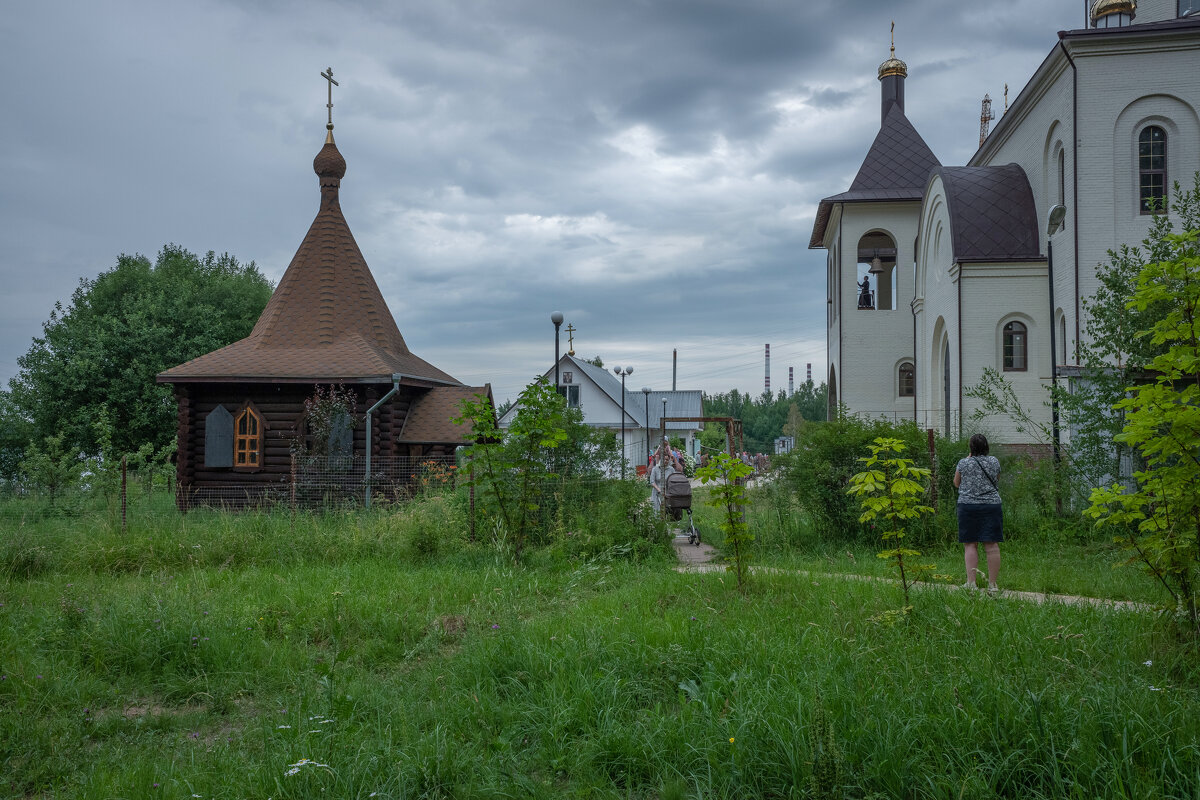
{"type": "Point", "coordinates": [247, 439]}
{"type": "Point", "coordinates": [218, 438]}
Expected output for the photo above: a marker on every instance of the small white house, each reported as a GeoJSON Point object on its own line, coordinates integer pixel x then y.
{"type": "Point", "coordinates": [596, 391]}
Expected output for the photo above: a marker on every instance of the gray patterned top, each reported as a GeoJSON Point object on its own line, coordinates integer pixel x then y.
{"type": "Point", "coordinates": [975, 486]}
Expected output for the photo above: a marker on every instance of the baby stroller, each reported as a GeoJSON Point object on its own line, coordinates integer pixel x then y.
{"type": "Point", "coordinates": [678, 498]}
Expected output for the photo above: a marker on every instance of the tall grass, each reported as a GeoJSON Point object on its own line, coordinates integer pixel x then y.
{"type": "Point", "coordinates": [171, 670]}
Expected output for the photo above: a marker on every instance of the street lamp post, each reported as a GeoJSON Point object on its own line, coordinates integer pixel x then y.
{"type": "Point", "coordinates": [623, 372]}
{"type": "Point", "coordinates": [557, 319]}
{"type": "Point", "coordinates": [646, 394]}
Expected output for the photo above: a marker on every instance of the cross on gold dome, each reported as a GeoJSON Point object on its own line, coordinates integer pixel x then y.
{"type": "Point", "coordinates": [328, 75]}
{"type": "Point", "coordinates": [571, 339]}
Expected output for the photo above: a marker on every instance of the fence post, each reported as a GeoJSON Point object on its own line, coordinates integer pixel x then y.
{"type": "Point", "coordinates": [293, 486]}
{"type": "Point", "coordinates": [123, 481]}
{"type": "Point", "coordinates": [932, 468]}
{"type": "Point", "coordinates": [471, 495]}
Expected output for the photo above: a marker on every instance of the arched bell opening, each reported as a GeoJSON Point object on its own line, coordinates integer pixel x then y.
{"type": "Point", "coordinates": [877, 272]}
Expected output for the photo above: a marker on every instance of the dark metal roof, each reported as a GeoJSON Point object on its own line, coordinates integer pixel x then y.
{"type": "Point", "coordinates": [896, 168]}
{"type": "Point", "coordinates": [1137, 28]}
{"type": "Point", "coordinates": [992, 214]}
{"type": "Point", "coordinates": [326, 321]}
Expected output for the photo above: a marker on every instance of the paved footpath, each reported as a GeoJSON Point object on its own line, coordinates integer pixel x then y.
{"type": "Point", "coordinates": [695, 557]}
{"type": "Point", "coordinates": [703, 558]}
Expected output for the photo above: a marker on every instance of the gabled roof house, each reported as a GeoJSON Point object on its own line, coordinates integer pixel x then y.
{"type": "Point", "coordinates": [597, 393]}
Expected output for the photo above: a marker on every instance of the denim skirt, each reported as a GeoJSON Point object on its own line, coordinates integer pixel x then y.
{"type": "Point", "coordinates": [980, 522]}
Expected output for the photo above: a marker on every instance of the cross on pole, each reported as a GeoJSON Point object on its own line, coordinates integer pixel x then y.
{"type": "Point", "coordinates": [328, 75]}
{"type": "Point", "coordinates": [571, 338]}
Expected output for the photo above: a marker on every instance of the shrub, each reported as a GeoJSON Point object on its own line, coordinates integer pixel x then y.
{"type": "Point", "coordinates": [818, 470]}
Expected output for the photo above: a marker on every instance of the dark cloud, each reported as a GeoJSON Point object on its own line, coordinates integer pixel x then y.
{"type": "Point", "coordinates": [649, 168]}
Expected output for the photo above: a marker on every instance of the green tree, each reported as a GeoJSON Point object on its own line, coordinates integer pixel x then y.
{"type": "Point", "coordinates": [892, 489]}
{"type": "Point", "coordinates": [728, 474]}
{"type": "Point", "coordinates": [16, 433]}
{"type": "Point", "coordinates": [1158, 519]}
{"type": "Point", "coordinates": [122, 328]}
{"type": "Point", "coordinates": [763, 417]}
{"type": "Point", "coordinates": [52, 468]}
{"type": "Point", "coordinates": [1113, 356]}
{"type": "Point", "coordinates": [513, 468]}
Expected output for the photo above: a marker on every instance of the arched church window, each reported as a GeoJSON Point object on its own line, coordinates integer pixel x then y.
{"type": "Point", "coordinates": [247, 439]}
{"type": "Point", "coordinates": [1062, 337]}
{"type": "Point", "coordinates": [1016, 347]}
{"type": "Point", "coordinates": [1152, 169]}
{"type": "Point", "coordinates": [907, 380]}
{"type": "Point", "coordinates": [1062, 177]}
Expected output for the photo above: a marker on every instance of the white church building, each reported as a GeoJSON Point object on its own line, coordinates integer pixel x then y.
{"type": "Point", "coordinates": [936, 272]}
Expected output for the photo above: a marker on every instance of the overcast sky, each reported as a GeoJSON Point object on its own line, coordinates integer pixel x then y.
{"type": "Point", "coordinates": [649, 168]}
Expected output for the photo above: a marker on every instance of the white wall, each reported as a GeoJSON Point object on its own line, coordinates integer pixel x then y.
{"type": "Point", "coordinates": [873, 343]}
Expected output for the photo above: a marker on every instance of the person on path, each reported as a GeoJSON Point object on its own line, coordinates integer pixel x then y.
{"type": "Point", "coordinates": [979, 511]}
{"type": "Point", "coordinates": [658, 478]}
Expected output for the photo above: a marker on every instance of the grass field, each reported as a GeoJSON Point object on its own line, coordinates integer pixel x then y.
{"type": "Point", "coordinates": [256, 656]}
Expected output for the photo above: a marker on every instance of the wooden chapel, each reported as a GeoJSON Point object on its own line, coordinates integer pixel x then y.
{"type": "Point", "coordinates": [242, 407]}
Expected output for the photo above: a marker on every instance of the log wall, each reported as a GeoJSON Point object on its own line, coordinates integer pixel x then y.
{"type": "Point", "coordinates": [282, 409]}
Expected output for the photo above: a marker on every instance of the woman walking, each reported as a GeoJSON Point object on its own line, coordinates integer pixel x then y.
{"type": "Point", "coordinates": [979, 515]}
{"type": "Point", "coordinates": [658, 478]}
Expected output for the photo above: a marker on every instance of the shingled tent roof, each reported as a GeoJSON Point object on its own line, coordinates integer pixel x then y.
{"type": "Point", "coordinates": [431, 414]}
{"type": "Point", "coordinates": [326, 321]}
{"type": "Point", "coordinates": [896, 168]}
{"type": "Point", "coordinates": [992, 214]}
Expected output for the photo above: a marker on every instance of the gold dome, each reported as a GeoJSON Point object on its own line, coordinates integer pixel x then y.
{"type": "Point", "coordinates": [893, 66]}
{"type": "Point", "coordinates": [1102, 8]}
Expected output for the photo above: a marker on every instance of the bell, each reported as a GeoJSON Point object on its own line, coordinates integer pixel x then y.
{"type": "Point", "coordinates": [876, 266]}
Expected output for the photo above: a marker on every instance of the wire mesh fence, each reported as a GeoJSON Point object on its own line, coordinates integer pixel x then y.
{"type": "Point", "coordinates": [540, 502]}
{"type": "Point", "coordinates": [946, 423]}
{"type": "Point", "coordinates": [318, 482]}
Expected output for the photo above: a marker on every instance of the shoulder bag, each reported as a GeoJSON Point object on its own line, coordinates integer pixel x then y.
{"type": "Point", "coordinates": [990, 479]}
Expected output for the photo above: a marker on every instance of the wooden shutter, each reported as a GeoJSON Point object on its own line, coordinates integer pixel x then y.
{"type": "Point", "coordinates": [218, 438]}
{"type": "Point", "coordinates": [341, 437]}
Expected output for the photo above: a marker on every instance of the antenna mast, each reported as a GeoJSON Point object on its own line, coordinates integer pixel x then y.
{"type": "Point", "coordinates": [985, 116]}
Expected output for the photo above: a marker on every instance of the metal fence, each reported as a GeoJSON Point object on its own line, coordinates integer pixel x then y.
{"type": "Point", "coordinates": [313, 485]}
{"type": "Point", "coordinates": [943, 423]}
{"type": "Point", "coordinates": [330, 483]}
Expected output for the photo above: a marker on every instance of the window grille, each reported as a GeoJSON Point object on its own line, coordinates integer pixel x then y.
{"type": "Point", "coordinates": [1152, 169]}
{"type": "Point", "coordinates": [1016, 347]}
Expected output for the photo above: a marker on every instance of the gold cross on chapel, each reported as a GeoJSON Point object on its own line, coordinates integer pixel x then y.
{"type": "Point", "coordinates": [328, 75]}
{"type": "Point", "coordinates": [571, 339]}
